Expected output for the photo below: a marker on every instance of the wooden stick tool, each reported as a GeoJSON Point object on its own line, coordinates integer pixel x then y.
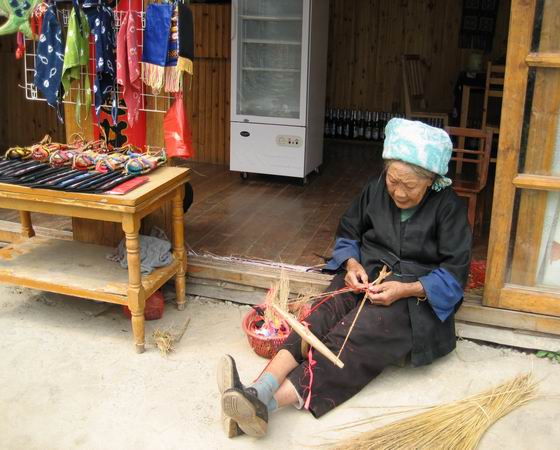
{"type": "Point", "coordinates": [382, 275]}
{"type": "Point", "coordinates": [309, 337]}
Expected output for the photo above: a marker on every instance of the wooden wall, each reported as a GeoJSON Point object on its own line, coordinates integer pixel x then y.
{"type": "Point", "coordinates": [368, 37]}
{"type": "Point", "coordinates": [208, 102]}
{"type": "Point", "coordinates": [22, 122]}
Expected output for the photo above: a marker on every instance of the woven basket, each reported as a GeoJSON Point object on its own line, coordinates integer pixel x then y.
{"type": "Point", "coordinates": [266, 346]}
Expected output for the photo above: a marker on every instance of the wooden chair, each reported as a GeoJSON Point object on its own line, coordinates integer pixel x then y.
{"type": "Point", "coordinates": [493, 93]}
{"type": "Point", "coordinates": [474, 159]}
{"type": "Point", "coordinates": [415, 105]}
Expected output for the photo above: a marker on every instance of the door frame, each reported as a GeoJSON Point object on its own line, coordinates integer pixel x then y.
{"type": "Point", "coordinates": [525, 59]}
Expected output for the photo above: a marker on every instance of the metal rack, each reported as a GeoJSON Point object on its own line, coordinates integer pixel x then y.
{"type": "Point", "coordinates": [150, 102]}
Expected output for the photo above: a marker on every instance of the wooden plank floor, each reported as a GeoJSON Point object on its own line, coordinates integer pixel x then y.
{"type": "Point", "coordinates": [276, 218]}
{"type": "Point", "coordinates": [268, 217]}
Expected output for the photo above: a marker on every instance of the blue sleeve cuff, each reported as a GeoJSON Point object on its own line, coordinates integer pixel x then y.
{"type": "Point", "coordinates": [443, 292]}
{"type": "Point", "coordinates": [343, 250]}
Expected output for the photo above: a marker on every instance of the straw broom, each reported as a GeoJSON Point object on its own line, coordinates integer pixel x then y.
{"type": "Point", "coordinates": [458, 425]}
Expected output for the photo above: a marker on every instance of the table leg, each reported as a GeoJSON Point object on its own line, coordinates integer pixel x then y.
{"type": "Point", "coordinates": [179, 245]}
{"type": "Point", "coordinates": [26, 225]}
{"type": "Point", "coordinates": [136, 293]}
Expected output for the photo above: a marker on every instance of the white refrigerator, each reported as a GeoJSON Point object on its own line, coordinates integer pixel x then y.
{"type": "Point", "coordinates": [278, 76]}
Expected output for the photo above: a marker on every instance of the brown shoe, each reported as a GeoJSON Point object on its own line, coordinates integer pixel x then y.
{"type": "Point", "coordinates": [243, 406]}
{"type": "Point", "coordinates": [228, 378]}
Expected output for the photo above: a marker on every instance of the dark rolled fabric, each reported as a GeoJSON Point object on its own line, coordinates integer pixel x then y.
{"type": "Point", "coordinates": [186, 38]}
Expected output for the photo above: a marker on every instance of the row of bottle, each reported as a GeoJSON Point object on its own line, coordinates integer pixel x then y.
{"type": "Point", "coordinates": [355, 124]}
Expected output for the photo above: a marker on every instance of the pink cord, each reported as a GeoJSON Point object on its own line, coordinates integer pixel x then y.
{"type": "Point", "coordinates": [311, 364]}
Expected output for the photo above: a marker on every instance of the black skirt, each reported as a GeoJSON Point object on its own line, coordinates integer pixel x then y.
{"type": "Point", "coordinates": [382, 336]}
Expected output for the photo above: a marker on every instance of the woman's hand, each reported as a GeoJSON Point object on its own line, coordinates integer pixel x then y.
{"type": "Point", "coordinates": [356, 276]}
{"type": "Point", "coordinates": [390, 291]}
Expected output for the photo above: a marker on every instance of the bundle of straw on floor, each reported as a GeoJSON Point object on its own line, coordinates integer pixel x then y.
{"type": "Point", "coordinates": [164, 341]}
{"type": "Point", "coordinates": [458, 425]}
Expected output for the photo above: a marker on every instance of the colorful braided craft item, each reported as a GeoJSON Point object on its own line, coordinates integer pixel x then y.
{"type": "Point", "coordinates": [84, 160]}
{"type": "Point", "coordinates": [144, 163]}
{"type": "Point", "coordinates": [98, 146]}
{"type": "Point", "coordinates": [77, 140]}
{"type": "Point", "coordinates": [18, 153]}
{"type": "Point", "coordinates": [42, 152]}
{"type": "Point", "coordinates": [111, 162]}
{"type": "Point", "coordinates": [61, 158]}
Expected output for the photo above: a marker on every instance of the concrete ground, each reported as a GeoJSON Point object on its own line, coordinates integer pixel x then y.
{"type": "Point", "coordinates": [69, 379]}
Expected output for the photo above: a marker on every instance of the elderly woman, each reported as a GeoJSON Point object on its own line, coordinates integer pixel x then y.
{"type": "Point", "coordinates": [408, 219]}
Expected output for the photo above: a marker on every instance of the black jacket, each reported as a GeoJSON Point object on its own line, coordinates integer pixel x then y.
{"type": "Point", "coordinates": [437, 235]}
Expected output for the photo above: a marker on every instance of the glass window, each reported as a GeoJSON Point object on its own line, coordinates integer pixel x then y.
{"type": "Point", "coordinates": [271, 30]}
{"type": "Point", "coordinates": [549, 255]}
{"type": "Point", "coordinates": [269, 58]}
{"type": "Point", "coordinates": [269, 94]}
{"type": "Point", "coordinates": [540, 151]}
{"type": "Point", "coordinates": [271, 8]}
{"type": "Point", "coordinates": [535, 246]}
{"type": "Point", "coordinates": [534, 254]}
{"type": "Point", "coordinates": [545, 36]}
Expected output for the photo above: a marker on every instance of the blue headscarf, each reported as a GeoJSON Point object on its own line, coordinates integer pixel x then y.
{"type": "Point", "coordinates": [419, 144]}
{"type": "Point", "coordinates": [49, 60]}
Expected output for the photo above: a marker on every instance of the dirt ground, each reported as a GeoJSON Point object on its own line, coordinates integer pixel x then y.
{"type": "Point", "coordinates": [69, 379]}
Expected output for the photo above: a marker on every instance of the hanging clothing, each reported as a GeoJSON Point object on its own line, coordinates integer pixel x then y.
{"type": "Point", "coordinates": [185, 63]}
{"type": "Point", "coordinates": [128, 68]}
{"type": "Point", "coordinates": [435, 242]}
{"type": "Point", "coordinates": [50, 60]}
{"type": "Point", "coordinates": [101, 23]}
{"type": "Point", "coordinates": [18, 13]}
{"type": "Point", "coordinates": [156, 44]}
{"type": "Point", "coordinates": [76, 60]}
{"type": "Point", "coordinates": [173, 78]}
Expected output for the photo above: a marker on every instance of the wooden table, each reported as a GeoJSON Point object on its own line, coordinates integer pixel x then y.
{"type": "Point", "coordinates": [82, 270]}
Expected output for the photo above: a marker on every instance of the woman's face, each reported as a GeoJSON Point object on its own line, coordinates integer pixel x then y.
{"type": "Point", "coordinates": [405, 186]}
